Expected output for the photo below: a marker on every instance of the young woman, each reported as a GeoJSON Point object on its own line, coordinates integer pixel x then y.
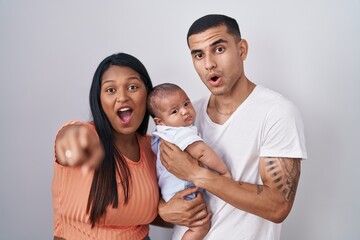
{"type": "Point", "coordinates": [104, 184]}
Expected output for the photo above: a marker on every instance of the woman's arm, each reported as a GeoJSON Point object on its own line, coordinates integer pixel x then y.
{"type": "Point", "coordinates": [179, 211]}
{"type": "Point", "coordinates": [58, 238]}
{"type": "Point", "coordinates": [158, 221]}
{"type": "Point", "coordinates": [77, 143]}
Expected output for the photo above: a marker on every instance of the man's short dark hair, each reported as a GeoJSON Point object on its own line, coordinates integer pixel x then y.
{"type": "Point", "coordinates": [214, 20]}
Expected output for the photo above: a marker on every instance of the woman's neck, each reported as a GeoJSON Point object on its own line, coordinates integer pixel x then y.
{"type": "Point", "coordinates": [128, 146]}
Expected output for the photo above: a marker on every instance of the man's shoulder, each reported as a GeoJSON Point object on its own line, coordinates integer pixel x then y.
{"type": "Point", "coordinates": [267, 94]}
{"type": "Point", "coordinates": [271, 98]}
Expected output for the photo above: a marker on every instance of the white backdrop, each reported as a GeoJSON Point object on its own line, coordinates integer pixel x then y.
{"type": "Point", "coordinates": [307, 50]}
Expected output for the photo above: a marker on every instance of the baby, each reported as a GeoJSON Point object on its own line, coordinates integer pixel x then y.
{"type": "Point", "coordinates": [174, 116]}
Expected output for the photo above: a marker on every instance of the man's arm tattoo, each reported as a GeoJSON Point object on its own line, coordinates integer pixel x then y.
{"type": "Point", "coordinates": [285, 175]}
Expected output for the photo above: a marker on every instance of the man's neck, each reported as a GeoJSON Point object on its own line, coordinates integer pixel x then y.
{"type": "Point", "coordinates": [221, 107]}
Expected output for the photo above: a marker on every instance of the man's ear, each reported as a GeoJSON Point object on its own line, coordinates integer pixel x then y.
{"type": "Point", "coordinates": [158, 121]}
{"type": "Point", "coordinates": [243, 48]}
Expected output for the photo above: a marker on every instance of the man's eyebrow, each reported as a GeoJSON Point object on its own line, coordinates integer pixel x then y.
{"type": "Point", "coordinates": [211, 45]}
{"type": "Point", "coordinates": [195, 51]}
{"type": "Point", "coordinates": [218, 41]}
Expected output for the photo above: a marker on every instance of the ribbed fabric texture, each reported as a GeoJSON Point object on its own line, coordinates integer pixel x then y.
{"type": "Point", "coordinates": [71, 188]}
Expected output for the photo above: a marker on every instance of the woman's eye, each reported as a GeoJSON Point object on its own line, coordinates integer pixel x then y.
{"type": "Point", "coordinates": [133, 87]}
{"type": "Point", "coordinates": [110, 90]}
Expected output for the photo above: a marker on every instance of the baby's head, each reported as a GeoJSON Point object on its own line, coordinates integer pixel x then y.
{"type": "Point", "coordinates": [169, 105]}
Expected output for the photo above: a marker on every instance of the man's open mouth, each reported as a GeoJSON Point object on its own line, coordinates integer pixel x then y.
{"type": "Point", "coordinates": [214, 78]}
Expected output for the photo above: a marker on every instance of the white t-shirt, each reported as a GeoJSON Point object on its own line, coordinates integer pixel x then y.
{"type": "Point", "coordinates": [264, 125]}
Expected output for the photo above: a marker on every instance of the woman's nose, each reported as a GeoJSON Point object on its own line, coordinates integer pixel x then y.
{"type": "Point", "coordinates": [121, 96]}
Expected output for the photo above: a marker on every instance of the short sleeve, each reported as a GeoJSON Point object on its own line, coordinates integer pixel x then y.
{"type": "Point", "coordinates": [186, 136]}
{"type": "Point", "coordinates": [283, 132]}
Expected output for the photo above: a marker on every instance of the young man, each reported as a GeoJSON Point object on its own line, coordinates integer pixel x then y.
{"type": "Point", "coordinates": [258, 133]}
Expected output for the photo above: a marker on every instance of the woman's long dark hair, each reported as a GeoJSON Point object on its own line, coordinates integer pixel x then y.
{"type": "Point", "coordinates": [103, 190]}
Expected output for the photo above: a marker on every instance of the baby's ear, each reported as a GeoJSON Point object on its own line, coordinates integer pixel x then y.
{"type": "Point", "coordinates": [158, 121]}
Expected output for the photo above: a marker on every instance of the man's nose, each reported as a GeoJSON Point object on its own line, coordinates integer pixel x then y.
{"type": "Point", "coordinates": [209, 62]}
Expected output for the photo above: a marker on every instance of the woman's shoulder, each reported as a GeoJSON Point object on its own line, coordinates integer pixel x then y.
{"type": "Point", "coordinates": [144, 139]}
{"type": "Point", "coordinates": [145, 142]}
{"type": "Point", "coordinates": [145, 147]}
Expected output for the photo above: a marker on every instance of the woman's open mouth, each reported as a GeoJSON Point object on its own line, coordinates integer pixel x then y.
{"type": "Point", "coordinates": [125, 114]}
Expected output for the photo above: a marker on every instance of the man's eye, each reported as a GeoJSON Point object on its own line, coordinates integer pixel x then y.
{"type": "Point", "coordinates": [219, 49]}
{"type": "Point", "coordinates": [199, 56]}
{"type": "Point", "coordinates": [175, 111]}
{"type": "Point", "coordinates": [187, 103]}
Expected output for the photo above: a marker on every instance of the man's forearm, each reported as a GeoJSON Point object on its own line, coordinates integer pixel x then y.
{"type": "Point", "coordinates": [260, 200]}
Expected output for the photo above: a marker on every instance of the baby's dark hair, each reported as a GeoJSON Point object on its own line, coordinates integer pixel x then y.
{"type": "Point", "coordinates": [213, 20]}
{"type": "Point", "coordinates": [158, 92]}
